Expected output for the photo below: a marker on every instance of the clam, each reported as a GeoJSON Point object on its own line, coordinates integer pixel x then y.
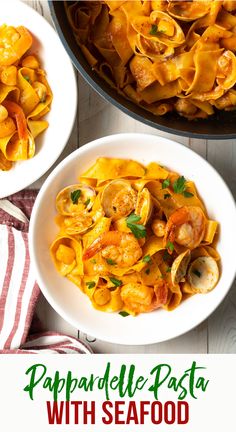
{"type": "Point", "coordinates": [118, 199]}
{"type": "Point", "coordinates": [227, 70]}
{"type": "Point", "coordinates": [144, 206]}
{"type": "Point", "coordinates": [203, 274]}
{"type": "Point", "coordinates": [78, 224]}
{"type": "Point", "coordinates": [159, 27]}
{"type": "Point", "coordinates": [74, 199]}
{"type": "Point", "coordinates": [179, 267]}
{"type": "Point", "coordinates": [188, 10]}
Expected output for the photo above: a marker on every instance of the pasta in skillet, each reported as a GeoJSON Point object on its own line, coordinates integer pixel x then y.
{"type": "Point", "coordinates": [163, 55]}
{"type": "Point", "coordinates": [25, 97]}
{"type": "Point", "coordinates": [135, 238]}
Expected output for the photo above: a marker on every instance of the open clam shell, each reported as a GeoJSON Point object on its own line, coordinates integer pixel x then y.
{"type": "Point", "coordinates": [74, 199]}
{"type": "Point", "coordinates": [203, 274]}
{"type": "Point", "coordinates": [118, 199]}
{"type": "Point", "coordinates": [179, 267]}
{"type": "Point", "coordinates": [188, 10]}
{"type": "Point", "coordinates": [144, 206]}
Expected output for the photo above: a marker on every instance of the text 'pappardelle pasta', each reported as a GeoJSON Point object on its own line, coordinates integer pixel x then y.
{"type": "Point", "coordinates": [135, 238]}
{"type": "Point", "coordinates": [25, 96]}
{"type": "Point", "coordinates": [163, 55]}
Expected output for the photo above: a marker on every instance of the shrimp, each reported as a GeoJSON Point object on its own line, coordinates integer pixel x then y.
{"type": "Point", "coordinates": [14, 42]}
{"type": "Point", "coordinates": [186, 226]}
{"type": "Point", "coordinates": [139, 298]}
{"type": "Point", "coordinates": [122, 248]}
{"type": "Point", "coordinates": [15, 111]}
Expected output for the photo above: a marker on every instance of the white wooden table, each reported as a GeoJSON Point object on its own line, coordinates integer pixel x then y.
{"type": "Point", "coordinates": [218, 333]}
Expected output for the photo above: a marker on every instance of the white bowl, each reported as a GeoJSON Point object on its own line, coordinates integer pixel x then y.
{"type": "Point", "coordinates": [61, 78]}
{"type": "Point", "coordinates": [71, 303]}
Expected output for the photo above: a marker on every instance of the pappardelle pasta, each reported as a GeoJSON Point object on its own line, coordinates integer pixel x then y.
{"type": "Point", "coordinates": [135, 238]}
{"type": "Point", "coordinates": [163, 55]}
{"type": "Point", "coordinates": [25, 96]}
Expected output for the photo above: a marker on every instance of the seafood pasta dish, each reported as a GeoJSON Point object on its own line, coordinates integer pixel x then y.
{"type": "Point", "coordinates": [164, 55]}
{"type": "Point", "coordinates": [135, 238]}
{"type": "Point", "coordinates": [25, 96]}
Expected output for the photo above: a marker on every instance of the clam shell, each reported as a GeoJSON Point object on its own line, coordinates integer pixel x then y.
{"type": "Point", "coordinates": [118, 199]}
{"type": "Point", "coordinates": [188, 10]}
{"type": "Point", "coordinates": [64, 202]}
{"type": "Point", "coordinates": [179, 267]}
{"type": "Point", "coordinates": [144, 206]}
{"type": "Point", "coordinates": [203, 274]}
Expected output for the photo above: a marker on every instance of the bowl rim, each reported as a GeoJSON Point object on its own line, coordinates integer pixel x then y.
{"type": "Point", "coordinates": [45, 168]}
{"type": "Point", "coordinates": [32, 247]}
{"type": "Point", "coordinates": [107, 97]}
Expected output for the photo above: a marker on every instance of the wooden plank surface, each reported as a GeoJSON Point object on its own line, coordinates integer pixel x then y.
{"type": "Point", "coordinates": [218, 333]}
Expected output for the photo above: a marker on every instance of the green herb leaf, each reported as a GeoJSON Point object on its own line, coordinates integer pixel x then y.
{"type": "Point", "coordinates": [153, 30]}
{"type": "Point", "coordinates": [147, 271]}
{"type": "Point", "coordinates": [197, 273]}
{"type": "Point", "coordinates": [27, 78]}
{"type": "Point", "coordinates": [167, 196]}
{"type": "Point", "coordinates": [133, 218]}
{"type": "Point", "coordinates": [124, 314]}
{"type": "Point", "coordinates": [147, 259]}
{"type": "Point", "coordinates": [110, 261]}
{"type": "Point", "coordinates": [179, 185]}
{"type": "Point", "coordinates": [166, 256]}
{"type": "Point", "coordinates": [75, 196]}
{"type": "Point", "coordinates": [93, 261]}
{"type": "Point", "coordinates": [165, 184]}
{"type": "Point", "coordinates": [87, 202]}
{"type": "Point", "coordinates": [168, 270]}
{"type": "Point", "coordinates": [90, 285]}
{"type": "Point", "coordinates": [115, 281]}
{"type": "Point", "coordinates": [138, 230]}
{"type": "Point", "coordinates": [187, 194]}
{"type": "Point", "coordinates": [170, 246]}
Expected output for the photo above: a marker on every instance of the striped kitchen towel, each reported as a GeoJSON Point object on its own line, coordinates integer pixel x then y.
{"type": "Point", "coordinates": [18, 289]}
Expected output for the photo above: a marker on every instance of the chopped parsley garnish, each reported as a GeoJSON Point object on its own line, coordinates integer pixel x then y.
{"type": "Point", "coordinates": [179, 187]}
{"type": "Point", "coordinates": [93, 261]}
{"type": "Point", "coordinates": [75, 196]}
{"type": "Point", "coordinates": [197, 273]}
{"type": "Point", "coordinates": [147, 259]}
{"type": "Point", "coordinates": [115, 281]}
{"type": "Point", "coordinates": [138, 230]}
{"type": "Point", "coordinates": [27, 78]}
{"type": "Point", "coordinates": [170, 246]}
{"type": "Point", "coordinates": [166, 256]}
{"type": "Point", "coordinates": [124, 314]}
{"type": "Point", "coordinates": [168, 270]}
{"type": "Point", "coordinates": [153, 30]}
{"type": "Point", "coordinates": [147, 271]}
{"type": "Point", "coordinates": [90, 285]}
{"type": "Point", "coordinates": [187, 194]}
{"type": "Point", "coordinates": [167, 196]}
{"type": "Point", "coordinates": [87, 202]}
{"type": "Point", "coordinates": [110, 261]}
{"type": "Point", "coordinates": [165, 184]}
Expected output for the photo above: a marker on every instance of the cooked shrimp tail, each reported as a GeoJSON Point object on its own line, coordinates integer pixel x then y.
{"type": "Point", "coordinates": [122, 248]}
{"type": "Point", "coordinates": [15, 111]}
{"type": "Point", "coordinates": [186, 226]}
